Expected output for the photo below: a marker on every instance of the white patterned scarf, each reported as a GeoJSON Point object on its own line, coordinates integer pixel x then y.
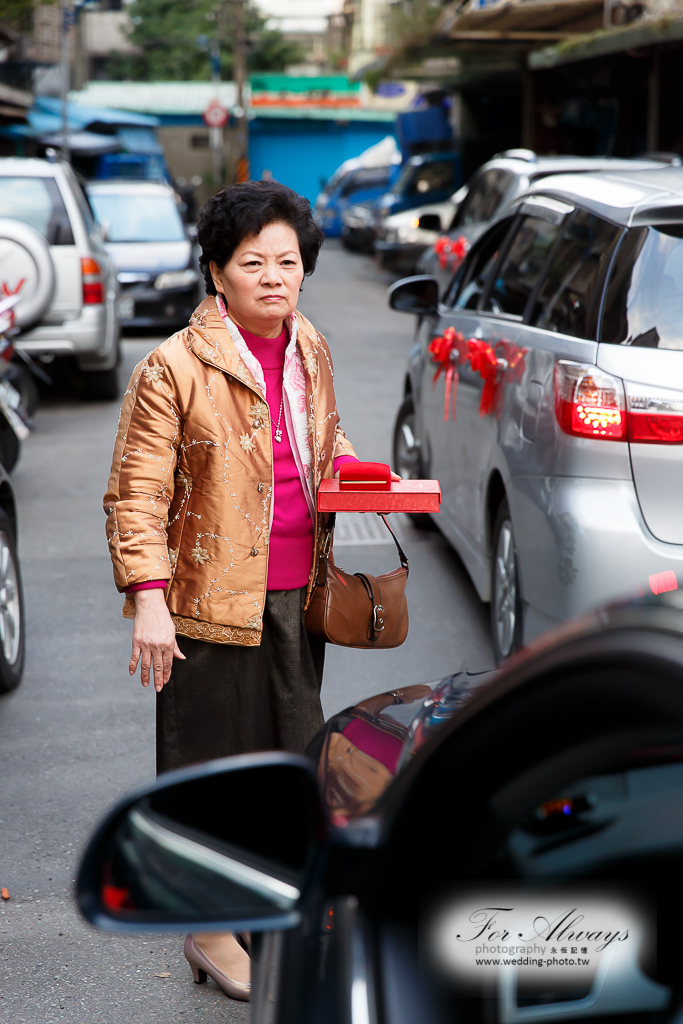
{"type": "Point", "coordinates": [294, 389]}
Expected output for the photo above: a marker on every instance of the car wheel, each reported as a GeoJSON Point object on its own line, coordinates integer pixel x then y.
{"type": "Point", "coordinates": [12, 641]}
{"type": "Point", "coordinates": [406, 456]}
{"type": "Point", "coordinates": [10, 445]}
{"type": "Point", "coordinates": [103, 385]}
{"type": "Point", "coordinates": [21, 378]}
{"type": "Point", "coordinates": [506, 598]}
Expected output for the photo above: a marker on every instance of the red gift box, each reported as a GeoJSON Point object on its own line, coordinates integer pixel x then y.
{"type": "Point", "coordinates": [402, 496]}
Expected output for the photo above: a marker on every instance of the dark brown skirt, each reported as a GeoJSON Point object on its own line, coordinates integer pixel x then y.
{"type": "Point", "coordinates": [226, 699]}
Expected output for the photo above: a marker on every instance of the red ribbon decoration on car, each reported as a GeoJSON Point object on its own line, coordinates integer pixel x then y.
{"type": "Point", "coordinates": [444, 350]}
{"type": "Point", "coordinates": [451, 251]}
{"type": "Point", "coordinates": [450, 348]}
{"type": "Point", "coordinates": [483, 361]}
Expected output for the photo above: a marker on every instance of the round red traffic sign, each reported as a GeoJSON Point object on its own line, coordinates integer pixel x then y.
{"type": "Point", "coordinates": [215, 115]}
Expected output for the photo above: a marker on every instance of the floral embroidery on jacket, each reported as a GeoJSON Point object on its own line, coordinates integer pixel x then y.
{"type": "Point", "coordinates": [154, 373]}
{"type": "Point", "coordinates": [184, 480]}
{"type": "Point", "coordinates": [173, 556]}
{"type": "Point", "coordinates": [248, 443]}
{"type": "Point", "coordinates": [199, 555]}
{"type": "Point", "coordinates": [259, 410]}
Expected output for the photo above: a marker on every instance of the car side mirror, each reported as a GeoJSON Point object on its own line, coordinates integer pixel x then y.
{"type": "Point", "coordinates": [226, 844]}
{"type": "Point", "coordinates": [429, 222]}
{"type": "Point", "coordinates": [419, 295]}
{"type": "Point", "coordinates": [104, 230]}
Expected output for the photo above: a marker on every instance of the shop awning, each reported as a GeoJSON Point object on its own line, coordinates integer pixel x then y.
{"type": "Point", "coordinates": [644, 33]}
{"type": "Point", "coordinates": [533, 20]}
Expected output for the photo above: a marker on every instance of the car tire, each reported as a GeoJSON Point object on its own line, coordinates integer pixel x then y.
{"type": "Point", "coordinates": [406, 458]}
{"type": "Point", "coordinates": [21, 378]}
{"type": "Point", "coordinates": [506, 596]}
{"type": "Point", "coordinates": [12, 638]}
{"type": "Point", "coordinates": [10, 445]}
{"type": "Point", "coordinates": [103, 385]}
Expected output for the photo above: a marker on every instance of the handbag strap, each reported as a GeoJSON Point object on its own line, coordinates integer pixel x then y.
{"type": "Point", "coordinates": [405, 564]}
{"type": "Point", "coordinates": [374, 592]}
{"type": "Point", "coordinates": [321, 571]}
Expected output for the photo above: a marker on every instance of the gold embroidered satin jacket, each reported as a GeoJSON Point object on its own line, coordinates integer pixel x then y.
{"type": "Point", "coordinates": [191, 487]}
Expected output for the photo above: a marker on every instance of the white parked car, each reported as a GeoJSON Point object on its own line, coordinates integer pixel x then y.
{"type": "Point", "coordinates": [66, 279]}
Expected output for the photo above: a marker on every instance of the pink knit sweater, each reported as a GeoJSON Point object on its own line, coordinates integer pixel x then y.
{"type": "Point", "coordinates": [291, 537]}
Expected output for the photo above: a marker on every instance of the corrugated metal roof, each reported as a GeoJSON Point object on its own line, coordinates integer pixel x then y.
{"type": "Point", "coordinates": [157, 97]}
{"type": "Point", "coordinates": [645, 32]}
{"type": "Point", "coordinates": [325, 113]}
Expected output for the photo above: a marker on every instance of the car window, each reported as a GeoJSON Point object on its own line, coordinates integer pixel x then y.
{"type": "Point", "coordinates": [521, 266]}
{"type": "Point", "coordinates": [427, 178]}
{"type": "Point", "coordinates": [468, 284]}
{"type": "Point", "coordinates": [644, 299]}
{"type": "Point", "coordinates": [367, 177]}
{"type": "Point", "coordinates": [37, 202]}
{"type": "Point", "coordinates": [484, 198]}
{"type": "Point", "coordinates": [569, 297]}
{"type": "Point", "coordinates": [138, 218]}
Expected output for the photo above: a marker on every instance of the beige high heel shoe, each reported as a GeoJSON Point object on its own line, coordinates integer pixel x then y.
{"type": "Point", "coordinates": [201, 967]}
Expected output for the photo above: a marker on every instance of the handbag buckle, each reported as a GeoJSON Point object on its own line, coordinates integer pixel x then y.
{"type": "Point", "coordinates": [377, 621]}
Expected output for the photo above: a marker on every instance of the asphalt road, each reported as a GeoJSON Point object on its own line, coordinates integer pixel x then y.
{"type": "Point", "coordinates": [79, 732]}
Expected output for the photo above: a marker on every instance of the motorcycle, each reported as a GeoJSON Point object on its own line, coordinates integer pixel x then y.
{"type": "Point", "coordinates": [14, 420]}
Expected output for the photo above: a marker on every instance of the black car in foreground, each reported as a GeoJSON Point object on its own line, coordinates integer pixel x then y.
{"type": "Point", "coordinates": [493, 848]}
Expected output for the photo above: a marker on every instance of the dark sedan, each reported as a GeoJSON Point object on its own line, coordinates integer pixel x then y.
{"type": "Point", "coordinates": [534, 813]}
{"type": "Point", "coordinates": [154, 253]}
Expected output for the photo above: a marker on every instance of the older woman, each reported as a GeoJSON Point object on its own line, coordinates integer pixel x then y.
{"type": "Point", "coordinates": [226, 431]}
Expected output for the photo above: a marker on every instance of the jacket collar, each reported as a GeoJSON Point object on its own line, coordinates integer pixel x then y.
{"type": "Point", "coordinates": [210, 341]}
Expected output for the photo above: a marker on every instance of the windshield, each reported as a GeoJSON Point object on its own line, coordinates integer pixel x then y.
{"type": "Point", "coordinates": [339, 175]}
{"type": "Point", "coordinates": [644, 301]}
{"type": "Point", "coordinates": [138, 218]}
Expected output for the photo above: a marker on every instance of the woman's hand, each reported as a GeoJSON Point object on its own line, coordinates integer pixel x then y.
{"type": "Point", "coordinates": [153, 638]}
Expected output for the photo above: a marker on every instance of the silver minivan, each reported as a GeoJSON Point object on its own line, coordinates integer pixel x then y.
{"type": "Point", "coordinates": [545, 392]}
{"type": "Point", "coordinates": [66, 278]}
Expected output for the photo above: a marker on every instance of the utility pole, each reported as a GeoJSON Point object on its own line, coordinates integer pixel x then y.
{"type": "Point", "coordinates": [216, 134]}
{"type": "Point", "coordinates": [67, 21]}
{"type": "Point", "coordinates": [240, 76]}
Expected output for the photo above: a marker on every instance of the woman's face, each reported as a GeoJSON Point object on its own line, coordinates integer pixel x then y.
{"type": "Point", "coordinates": [261, 280]}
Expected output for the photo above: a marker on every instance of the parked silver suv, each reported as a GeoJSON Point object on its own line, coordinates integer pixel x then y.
{"type": "Point", "coordinates": [545, 392]}
{"type": "Point", "coordinates": [494, 184]}
{"type": "Point", "coordinates": [66, 278]}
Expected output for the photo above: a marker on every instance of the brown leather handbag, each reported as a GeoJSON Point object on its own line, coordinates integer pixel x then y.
{"type": "Point", "coordinates": [358, 610]}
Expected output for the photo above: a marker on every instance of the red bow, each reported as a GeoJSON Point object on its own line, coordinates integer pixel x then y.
{"type": "Point", "coordinates": [444, 350]}
{"type": "Point", "coordinates": [483, 361]}
{"type": "Point", "coordinates": [449, 251]}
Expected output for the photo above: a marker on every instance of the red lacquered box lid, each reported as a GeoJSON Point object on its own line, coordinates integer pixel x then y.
{"type": "Point", "coordinates": [403, 496]}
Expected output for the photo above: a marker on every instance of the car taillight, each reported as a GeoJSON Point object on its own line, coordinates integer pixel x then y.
{"type": "Point", "coordinates": [655, 415]}
{"type": "Point", "coordinates": [592, 403]}
{"type": "Point", "coordinates": [589, 402]}
{"type": "Point", "coordinates": [93, 288]}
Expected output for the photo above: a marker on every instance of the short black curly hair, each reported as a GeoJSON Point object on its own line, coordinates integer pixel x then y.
{"type": "Point", "coordinates": [241, 211]}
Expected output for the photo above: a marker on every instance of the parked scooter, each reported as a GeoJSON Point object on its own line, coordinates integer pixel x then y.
{"type": "Point", "coordinates": [14, 420]}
